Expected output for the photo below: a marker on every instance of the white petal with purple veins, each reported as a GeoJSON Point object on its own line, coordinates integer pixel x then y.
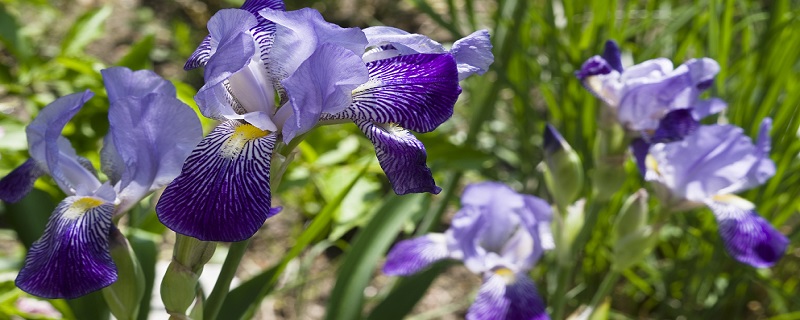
{"type": "Point", "coordinates": [507, 296]}
{"type": "Point", "coordinates": [747, 236]}
{"type": "Point", "coordinates": [71, 258]}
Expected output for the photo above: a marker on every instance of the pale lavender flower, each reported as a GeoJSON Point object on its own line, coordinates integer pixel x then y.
{"type": "Point", "coordinates": [150, 135]}
{"type": "Point", "coordinates": [498, 234]}
{"type": "Point", "coordinates": [268, 91]}
{"type": "Point", "coordinates": [707, 168]}
{"type": "Point", "coordinates": [644, 94]}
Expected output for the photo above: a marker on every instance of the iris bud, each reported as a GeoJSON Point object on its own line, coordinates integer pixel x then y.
{"type": "Point", "coordinates": [179, 287]}
{"type": "Point", "coordinates": [633, 238]}
{"type": "Point", "coordinates": [564, 170]}
{"type": "Point", "coordinates": [610, 153]}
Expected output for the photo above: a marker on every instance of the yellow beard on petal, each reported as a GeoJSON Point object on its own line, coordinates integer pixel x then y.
{"type": "Point", "coordinates": [734, 200]}
{"type": "Point", "coordinates": [507, 275]}
{"type": "Point", "coordinates": [78, 208]}
{"type": "Point", "coordinates": [240, 137]}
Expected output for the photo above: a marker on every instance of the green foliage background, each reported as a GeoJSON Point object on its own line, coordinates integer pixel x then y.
{"type": "Point", "coordinates": [52, 48]}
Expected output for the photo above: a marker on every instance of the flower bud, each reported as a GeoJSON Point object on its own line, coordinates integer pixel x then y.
{"type": "Point", "coordinates": [179, 287]}
{"type": "Point", "coordinates": [632, 237]}
{"type": "Point", "coordinates": [572, 225]}
{"type": "Point", "coordinates": [124, 295]}
{"type": "Point", "coordinates": [564, 171]}
{"type": "Point", "coordinates": [610, 154]}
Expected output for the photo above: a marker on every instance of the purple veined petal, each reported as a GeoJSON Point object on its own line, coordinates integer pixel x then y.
{"type": "Point", "coordinates": [298, 33]}
{"type": "Point", "coordinates": [612, 55]}
{"type": "Point", "coordinates": [704, 108]}
{"type": "Point", "coordinates": [402, 158]}
{"type": "Point", "coordinates": [401, 41]}
{"type": "Point", "coordinates": [152, 137]}
{"type": "Point", "coordinates": [410, 256]}
{"type": "Point", "coordinates": [674, 126]}
{"type": "Point", "coordinates": [509, 296]}
{"type": "Point", "coordinates": [223, 191]}
{"type": "Point", "coordinates": [747, 236]}
{"type": "Point", "coordinates": [17, 184]}
{"type": "Point", "coordinates": [124, 83]}
{"type": "Point", "coordinates": [417, 92]}
{"type": "Point", "coordinates": [473, 54]}
{"type": "Point", "coordinates": [53, 153]}
{"type": "Point", "coordinates": [640, 149]}
{"type": "Point", "coordinates": [263, 33]}
{"type": "Point", "coordinates": [323, 83]}
{"type": "Point", "coordinates": [71, 259]}
{"type": "Point", "coordinates": [601, 80]}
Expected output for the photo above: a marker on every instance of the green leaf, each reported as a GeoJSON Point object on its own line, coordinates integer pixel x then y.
{"type": "Point", "coordinates": [29, 216]}
{"type": "Point", "coordinates": [11, 37]}
{"type": "Point", "coordinates": [406, 293]}
{"type": "Point", "coordinates": [138, 56]}
{"type": "Point", "coordinates": [88, 27]}
{"type": "Point", "coordinates": [347, 297]}
{"type": "Point", "coordinates": [145, 246]}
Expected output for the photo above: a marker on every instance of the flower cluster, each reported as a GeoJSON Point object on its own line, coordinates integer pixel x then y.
{"type": "Point", "coordinates": [272, 75]}
{"type": "Point", "coordinates": [691, 164]}
{"type": "Point", "coordinates": [498, 234]}
{"type": "Point", "coordinates": [150, 135]}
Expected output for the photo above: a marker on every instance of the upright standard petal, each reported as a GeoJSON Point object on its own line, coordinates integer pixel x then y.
{"type": "Point", "coordinates": [612, 55]}
{"type": "Point", "coordinates": [417, 92]}
{"type": "Point", "coordinates": [122, 83]}
{"type": "Point", "coordinates": [507, 296]}
{"type": "Point", "coordinates": [263, 33]}
{"type": "Point", "coordinates": [53, 153]}
{"type": "Point", "coordinates": [71, 258]}
{"type": "Point", "coordinates": [473, 54]}
{"type": "Point", "coordinates": [299, 33]}
{"type": "Point", "coordinates": [747, 236]}
{"type": "Point", "coordinates": [322, 84]}
{"type": "Point", "coordinates": [401, 156]}
{"type": "Point", "coordinates": [19, 182]}
{"type": "Point", "coordinates": [234, 48]}
{"type": "Point", "coordinates": [413, 255]}
{"type": "Point", "coordinates": [152, 136]}
{"type": "Point", "coordinates": [223, 191]}
{"type": "Point", "coordinates": [401, 41]}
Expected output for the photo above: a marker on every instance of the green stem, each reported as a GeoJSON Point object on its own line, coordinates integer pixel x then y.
{"type": "Point", "coordinates": [565, 273]}
{"type": "Point", "coordinates": [223, 284]}
{"type": "Point", "coordinates": [605, 288]}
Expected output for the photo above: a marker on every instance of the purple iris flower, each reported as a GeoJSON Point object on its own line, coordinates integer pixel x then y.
{"type": "Point", "coordinates": [644, 94]}
{"type": "Point", "coordinates": [150, 135]}
{"type": "Point", "coordinates": [498, 234]}
{"type": "Point", "coordinates": [707, 168]}
{"type": "Point", "coordinates": [272, 91]}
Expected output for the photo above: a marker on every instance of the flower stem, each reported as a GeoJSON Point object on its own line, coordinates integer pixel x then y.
{"type": "Point", "coordinates": [223, 284]}
{"type": "Point", "coordinates": [605, 288]}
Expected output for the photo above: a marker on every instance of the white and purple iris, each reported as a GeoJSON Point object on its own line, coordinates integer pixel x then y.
{"type": "Point", "coordinates": [653, 93]}
{"type": "Point", "coordinates": [707, 168]}
{"type": "Point", "coordinates": [498, 234]}
{"type": "Point", "coordinates": [150, 135]}
{"type": "Point", "coordinates": [273, 75]}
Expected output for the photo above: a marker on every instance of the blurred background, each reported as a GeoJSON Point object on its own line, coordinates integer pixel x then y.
{"type": "Point", "coordinates": [53, 48]}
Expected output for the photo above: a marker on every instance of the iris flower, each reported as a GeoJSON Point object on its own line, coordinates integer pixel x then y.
{"type": "Point", "coordinates": [498, 234]}
{"type": "Point", "coordinates": [707, 168]}
{"type": "Point", "coordinates": [272, 76]}
{"type": "Point", "coordinates": [150, 135]}
{"type": "Point", "coordinates": [644, 94]}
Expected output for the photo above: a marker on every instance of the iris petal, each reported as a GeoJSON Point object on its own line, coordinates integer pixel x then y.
{"type": "Point", "coordinates": [410, 256]}
{"type": "Point", "coordinates": [152, 137]}
{"type": "Point", "coordinates": [402, 158]}
{"type": "Point", "coordinates": [473, 54]}
{"type": "Point", "coordinates": [263, 33]}
{"type": "Point", "coordinates": [122, 83]}
{"type": "Point", "coordinates": [53, 153]}
{"type": "Point", "coordinates": [321, 84]}
{"type": "Point", "coordinates": [417, 92]}
{"type": "Point", "coordinates": [507, 296]}
{"type": "Point", "coordinates": [71, 258]}
{"type": "Point", "coordinates": [747, 236]}
{"type": "Point", "coordinates": [19, 182]}
{"type": "Point", "coordinates": [223, 191]}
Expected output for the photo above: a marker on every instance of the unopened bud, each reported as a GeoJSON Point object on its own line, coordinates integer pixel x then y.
{"type": "Point", "coordinates": [124, 295]}
{"type": "Point", "coordinates": [610, 154]}
{"type": "Point", "coordinates": [564, 170]}
{"type": "Point", "coordinates": [633, 215]}
{"type": "Point", "coordinates": [572, 225]}
{"type": "Point", "coordinates": [633, 247]}
{"type": "Point", "coordinates": [179, 287]}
